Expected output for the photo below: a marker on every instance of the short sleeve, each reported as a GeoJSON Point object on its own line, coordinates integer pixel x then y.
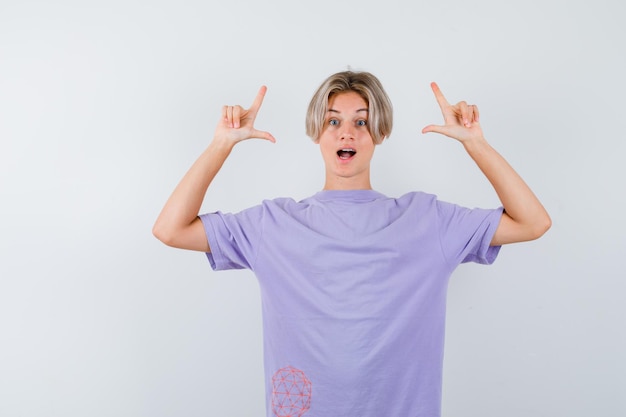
{"type": "Point", "coordinates": [466, 233]}
{"type": "Point", "coordinates": [233, 238]}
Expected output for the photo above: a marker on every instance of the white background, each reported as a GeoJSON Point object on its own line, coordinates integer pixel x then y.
{"type": "Point", "coordinates": [104, 105]}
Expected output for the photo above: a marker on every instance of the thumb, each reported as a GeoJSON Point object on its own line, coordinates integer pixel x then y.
{"type": "Point", "coordinates": [263, 135]}
{"type": "Point", "coordinates": [434, 129]}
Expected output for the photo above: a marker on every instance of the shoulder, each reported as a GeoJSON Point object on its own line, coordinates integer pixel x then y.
{"type": "Point", "coordinates": [284, 206]}
{"type": "Point", "coordinates": [430, 205]}
{"type": "Point", "coordinates": [417, 198]}
{"type": "Point", "coordinates": [418, 195]}
{"type": "Point", "coordinates": [282, 203]}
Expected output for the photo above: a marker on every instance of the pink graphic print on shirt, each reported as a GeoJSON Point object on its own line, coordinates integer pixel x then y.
{"type": "Point", "coordinates": [291, 392]}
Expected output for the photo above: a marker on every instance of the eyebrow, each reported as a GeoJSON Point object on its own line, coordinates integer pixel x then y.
{"type": "Point", "coordinates": [337, 111]}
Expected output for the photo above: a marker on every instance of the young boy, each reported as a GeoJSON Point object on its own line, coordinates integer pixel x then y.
{"type": "Point", "coordinates": [353, 283]}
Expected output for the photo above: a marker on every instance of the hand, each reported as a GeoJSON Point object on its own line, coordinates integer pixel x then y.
{"type": "Point", "coordinates": [237, 123]}
{"type": "Point", "coordinates": [460, 121]}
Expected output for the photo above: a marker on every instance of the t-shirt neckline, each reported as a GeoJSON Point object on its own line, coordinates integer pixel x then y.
{"type": "Point", "coordinates": [351, 195]}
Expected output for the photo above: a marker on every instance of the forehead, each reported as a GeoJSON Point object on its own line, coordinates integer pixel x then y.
{"type": "Point", "coordinates": [347, 101]}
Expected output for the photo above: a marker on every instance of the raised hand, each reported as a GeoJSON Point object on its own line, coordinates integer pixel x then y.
{"type": "Point", "coordinates": [460, 120]}
{"type": "Point", "coordinates": [237, 123]}
{"type": "Point", "coordinates": [178, 224]}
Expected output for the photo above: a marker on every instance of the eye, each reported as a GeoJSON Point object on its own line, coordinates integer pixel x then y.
{"type": "Point", "coordinates": [333, 122]}
{"type": "Point", "coordinates": [361, 122]}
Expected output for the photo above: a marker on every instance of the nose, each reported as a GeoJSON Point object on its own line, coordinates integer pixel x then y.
{"type": "Point", "coordinates": [347, 132]}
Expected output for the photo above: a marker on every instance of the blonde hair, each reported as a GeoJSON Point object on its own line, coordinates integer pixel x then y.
{"type": "Point", "coordinates": [380, 111]}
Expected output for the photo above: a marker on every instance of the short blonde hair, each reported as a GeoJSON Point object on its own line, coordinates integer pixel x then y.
{"type": "Point", "coordinates": [380, 111]}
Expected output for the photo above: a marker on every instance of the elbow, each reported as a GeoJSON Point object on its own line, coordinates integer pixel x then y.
{"type": "Point", "coordinates": [546, 223]}
{"type": "Point", "coordinates": [190, 237]}
{"type": "Point", "coordinates": [162, 234]}
{"type": "Point", "coordinates": [512, 231]}
{"type": "Point", "coordinates": [541, 226]}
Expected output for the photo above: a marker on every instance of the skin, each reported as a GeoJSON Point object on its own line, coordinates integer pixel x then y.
{"type": "Point", "coordinates": [524, 216]}
{"type": "Point", "coordinates": [345, 127]}
{"type": "Point", "coordinates": [178, 224]}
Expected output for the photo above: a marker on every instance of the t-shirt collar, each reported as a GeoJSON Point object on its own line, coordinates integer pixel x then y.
{"type": "Point", "coordinates": [348, 195]}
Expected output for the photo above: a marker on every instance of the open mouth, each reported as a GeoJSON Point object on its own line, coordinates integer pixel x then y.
{"type": "Point", "coordinates": [346, 153]}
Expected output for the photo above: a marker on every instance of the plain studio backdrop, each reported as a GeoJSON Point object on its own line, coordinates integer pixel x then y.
{"type": "Point", "coordinates": [104, 106]}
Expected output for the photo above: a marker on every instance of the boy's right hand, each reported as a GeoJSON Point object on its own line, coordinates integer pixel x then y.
{"type": "Point", "coordinates": [237, 123]}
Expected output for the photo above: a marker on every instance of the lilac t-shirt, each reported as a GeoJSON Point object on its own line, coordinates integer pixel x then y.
{"type": "Point", "coordinates": [353, 288]}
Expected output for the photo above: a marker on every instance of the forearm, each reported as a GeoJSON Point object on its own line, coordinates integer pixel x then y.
{"type": "Point", "coordinates": [524, 216]}
{"type": "Point", "coordinates": [178, 224]}
{"type": "Point", "coordinates": [183, 206]}
{"type": "Point", "coordinates": [529, 217]}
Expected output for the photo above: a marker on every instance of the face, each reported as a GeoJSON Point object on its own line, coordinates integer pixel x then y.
{"type": "Point", "coordinates": [346, 144]}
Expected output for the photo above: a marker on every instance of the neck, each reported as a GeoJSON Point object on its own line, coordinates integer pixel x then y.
{"type": "Point", "coordinates": [341, 183]}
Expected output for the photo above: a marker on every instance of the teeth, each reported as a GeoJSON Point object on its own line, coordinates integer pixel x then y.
{"type": "Point", "coordinates": [346, 153]}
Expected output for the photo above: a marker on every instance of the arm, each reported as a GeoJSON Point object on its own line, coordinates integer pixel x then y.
{"type": "Point", "coordinates": [178, 224]}
{"type": "Point", "coordinates": [524, 216]}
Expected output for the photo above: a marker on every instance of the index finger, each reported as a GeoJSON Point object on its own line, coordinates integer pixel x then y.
{"type": "Point", "coordinates": [439, 95]}
{"type": "Point", "coordinates": [256, 105]}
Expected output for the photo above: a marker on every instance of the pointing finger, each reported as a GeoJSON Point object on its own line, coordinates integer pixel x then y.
{"type": "Point", "coordinates": [256, 105]}
{"type": "Point", "coordinates": [439, 95]}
